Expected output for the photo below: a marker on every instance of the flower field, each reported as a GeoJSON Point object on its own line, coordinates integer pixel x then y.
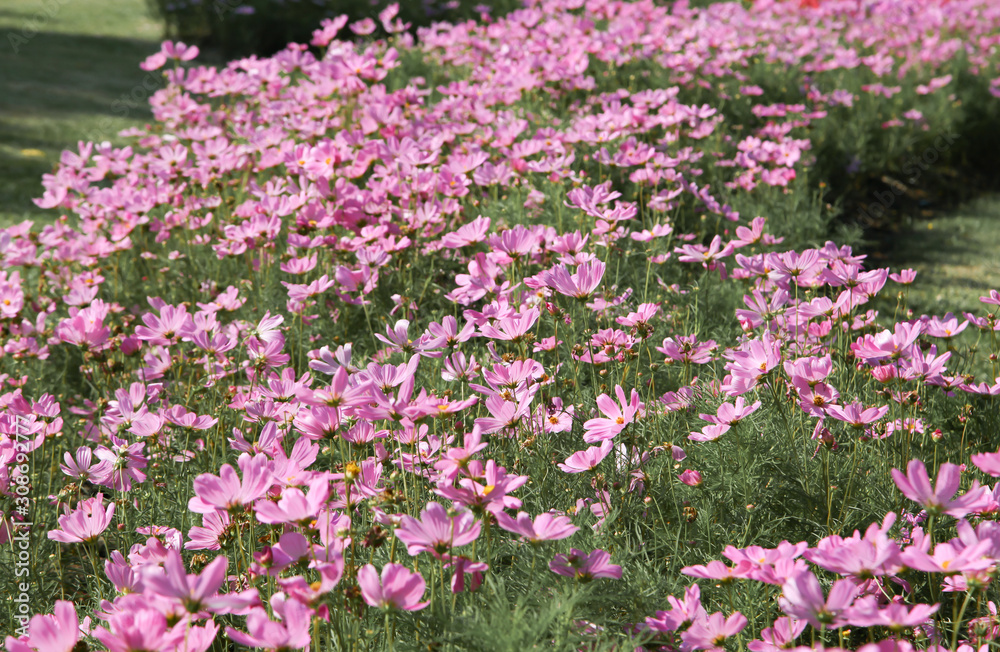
{"type": "Point", "coordinates": [549, 330]}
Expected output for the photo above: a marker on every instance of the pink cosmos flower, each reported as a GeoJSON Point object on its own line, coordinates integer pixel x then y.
{"type": "Point", "coordinates": [328, 30]}
{"type": "Point", "coordinates": [398, 339]}
{"type": "Point", "coordinates": [513, 328]}
{"type": "Point", "coordinates": [683, 612]}
{"type": "Point", "coordinates": [690, 478]}
{"type": "Point", "coordinates": [487, 487]}
{"type": "Point", "coordinates": [762, 309]}
{"type": "Point", "coordinates": [710, 432]}
{"type": "Point", "coordinates": [516, 376]}
{"type": "Point", "coordinates": [464, 566]}
{"type": "Point", "coordinates": [58, 632]}
{"type": "Point", "coordinates": [297, 589]}
{"type": "Point", "coordinates": [83, 468]}
{"type": "Point", "coordinates": [585, 567]}
{"type": "Point", "coordinates": [299, 265]}
{"type": "Point", "coordinates": [546, 526]}
{"type": "Point", "coordinates": [887, 345]}
{"type": "Point", "coordinates": [686, 348]}
{"type": "Point", "coordinates": [271, 560]}
{"type": "Point", "coordinates": [197, 592]}
{"type": "Point", "coordinates": [456, 459]}
{"type": "Point", "coordinates": [227, 491]}
{"type": "Point", "coordinates": [290, 634]}
{"type": "Point", "coordinates": [85, 523]}
{"type": "Point", "coordinates": [855, 414]}
{"type": "Point", "coordinates": [457, 367]}
{"type": "Point", "coordinates": [127, 462]}
{"type": "Point", "coordinates": [267, 329]}
{"type": "Point", "coordinates": [730, 414]}
{"type": "Point", "coordinates": [707, 256]}
{"type": "Point", "coordinates": [436, 532]}
{"type": "Point", "coordinates": [587, 460]}
{"type": "Point", "coordinates": [329, 362]}
{"type": "Point", "coordinates": [214, 527]}
{"type": "Point", "coordinates": [711, 633]}
{"type": "Point", "coordinates": [590, 199]}
{"type": "Point", "coordinates": [916, 486]}
{"type": "Point", "coordinates": [447, 332]}
{"type": "Point", "coordinates": [171, 325]}
{"type": "Point", "coordinates": [808, 371]}
{"type": "Point", "coordinates": [867, 612]}
{"type": "Point", "coordinates": [640, 318]}
{"type": "Point", "coordinates": [988, 463]}
{"type": "Point", "coordinates": [179, 416]}
{"type": "Point", "coordinates": [904, 277]}
{"type": "Point", "coordinates": [754, 234]}
{"type": "Point", "coordinates": [505, 415]}
{"type": "Point", "coordinates": [471, 233]}
{"type": "Point", "coordinates": [945, 327]}
{"type": "Point", "coordinates": [719, 571]}
{"type": "Point", "coordinates": [295, 506]}
{"type": "Point", "coordinates": [803, 268]}
{"type": "Point", "coordinates": [154, 62]}
{"type": "Point", "coordinates": [140, 629]}
{"type": "Point", "coordinates": [778, 637]}
{"type": "Point", "coordinates": [580, 284]}
{"type": "Point", "coordinates": [515, 242]}
{"type": "Point", "coordinates": [122, 575]}
{"type": "Point", "coordinates": [399, 587]}
{"type": "Point", "coordinates": [386, 18]}
{"type": "Point", "coordinates": [802, 597]}
{"type": "Point", "coordinates": [616, 417]}
{"type": "Point", "coordinates": [873, 555]}
{"type": "Point", "coordinates": [949, 558]}
{"type": "Point", "coordinates": [179, 51]}
{"type": "Point", "coordinates": [555, 418]}
{"type": "Point", "coordinates": [80, 331]}
{"type": "Point", "coordinates": [750, 362]}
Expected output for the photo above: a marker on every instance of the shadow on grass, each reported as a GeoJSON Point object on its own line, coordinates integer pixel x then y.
{"type": "Point", "coordinates": [66, 72]}
{"type": "Point", "coordinates": [956, 255]}
{"type": "Point", "coordinates": [55, 90]}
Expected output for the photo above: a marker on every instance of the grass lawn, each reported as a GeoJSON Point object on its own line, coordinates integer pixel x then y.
{"type": "Point", "coordinates": [956, 256]}
{"type": "Point", "coordinates": [69, 71]}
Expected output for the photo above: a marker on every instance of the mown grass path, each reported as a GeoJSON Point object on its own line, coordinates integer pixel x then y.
{"type": "Point", "coordinates": [956, 255]}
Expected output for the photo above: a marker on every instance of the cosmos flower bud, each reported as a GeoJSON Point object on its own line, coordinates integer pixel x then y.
{"type": "Point", "coordinates": [690, 478]}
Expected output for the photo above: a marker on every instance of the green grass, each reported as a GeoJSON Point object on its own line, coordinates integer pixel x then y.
{"type": "Point", "coordinates": [956, 256]}
{"type": "Point", "coordinates": [69, 71]}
